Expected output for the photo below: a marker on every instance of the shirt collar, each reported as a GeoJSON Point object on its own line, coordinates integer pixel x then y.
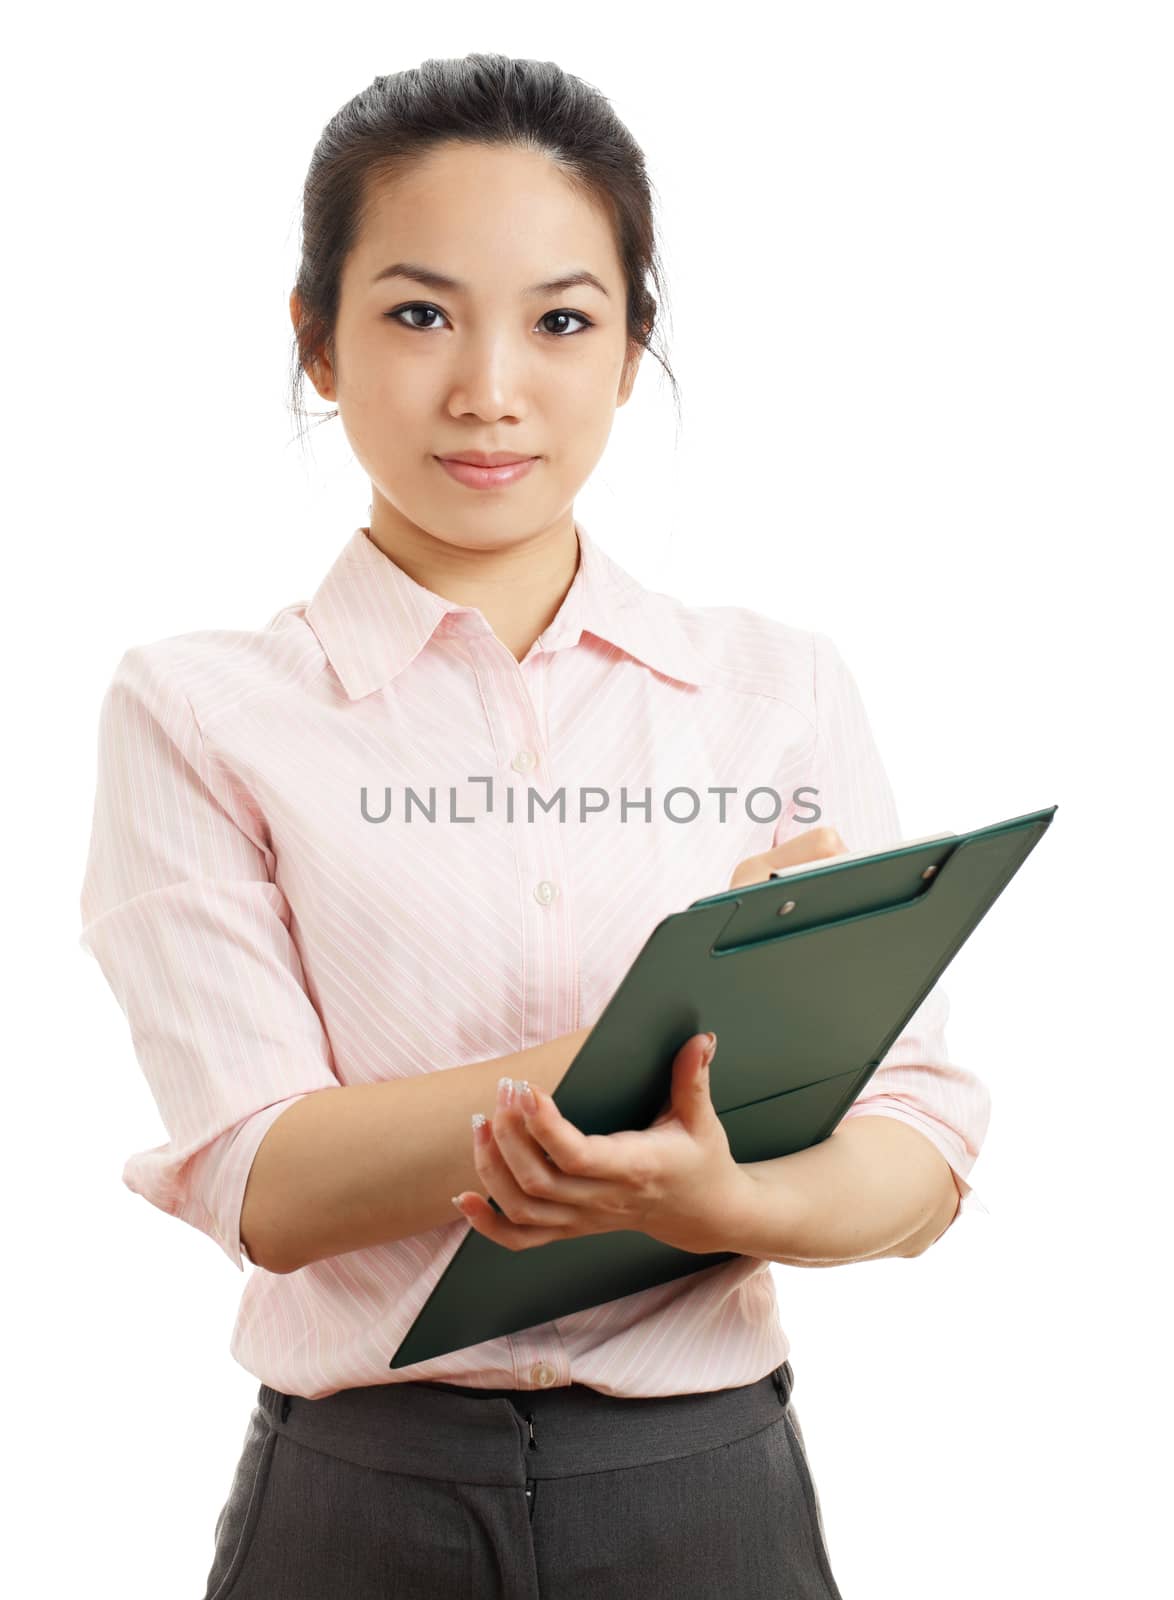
{"type": "Point", "coordinates": [372, 619]}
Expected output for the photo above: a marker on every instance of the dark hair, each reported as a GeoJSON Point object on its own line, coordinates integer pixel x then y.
{"type": "Point", "coordinates": [481, 99]}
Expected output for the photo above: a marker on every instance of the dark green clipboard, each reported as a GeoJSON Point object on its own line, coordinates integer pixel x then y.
{"type": "Point", "coordinates": [805, 1002]}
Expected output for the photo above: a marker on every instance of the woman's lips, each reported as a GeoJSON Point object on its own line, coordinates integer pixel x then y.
{"type": "Point", "coordinates": [486, 477]}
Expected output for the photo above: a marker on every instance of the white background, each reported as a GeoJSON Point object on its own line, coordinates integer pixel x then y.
{"type": "Point", "coordinates": [915, 257]}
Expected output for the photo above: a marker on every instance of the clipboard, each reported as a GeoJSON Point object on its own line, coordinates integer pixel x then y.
{"type": "Point", "coordinates": [808, 979]}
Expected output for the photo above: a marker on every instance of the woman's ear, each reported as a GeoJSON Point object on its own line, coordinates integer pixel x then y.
{"type": "Point", "coordinates": [628, 375]}
{"type": "Point", "coordinates": [318, 369]}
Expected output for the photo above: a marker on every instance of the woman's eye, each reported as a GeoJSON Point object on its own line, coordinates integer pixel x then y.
{"type": "Point", "coordinates": [434, 311]}
{"type": "Point", "coordinates": [404, 310]}
{"type": "Point", "coordinates": [574, 315]}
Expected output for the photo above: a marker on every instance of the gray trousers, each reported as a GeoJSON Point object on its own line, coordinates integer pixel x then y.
{"type": "Point", "coordinates": [430, 1491]}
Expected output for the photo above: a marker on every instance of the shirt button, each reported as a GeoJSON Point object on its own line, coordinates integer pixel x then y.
{"type": "Point", "coordinates": [545, 892]}
{"type": "Point", "coordinates": [543, 1375]}
{"type": "Point", "coordinates": [524, 760]}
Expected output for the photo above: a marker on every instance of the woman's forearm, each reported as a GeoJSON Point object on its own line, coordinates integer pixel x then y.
{"type": "Point", "coordinates": [348, 1168]}
{"type": "Point", "coordinates": [876, 1187]}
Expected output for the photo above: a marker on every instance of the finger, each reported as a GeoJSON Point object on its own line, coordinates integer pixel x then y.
{"type": "Point", "coordinates": [609, 1183]}
{"type": "Point", "coordinates": [513, 1236]}
{"type": "Point", "coordinates": [814, 844]}
{"type": "Point", "coordinates": [698, 1044]}
{"type": "Point", "coordinates": [611, 1175]}
{"type": "Point", "coordinates": [531, 1164]}
{"type": "Point", "coordinates": [513, 1169]}
{"type": "Point", "coordinates": [548, 1155]}
{"type": "Point", "coordinates": [594, 1169]}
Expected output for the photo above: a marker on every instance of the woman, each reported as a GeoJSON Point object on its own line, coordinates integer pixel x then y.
{"type": "Point", "coordinates": [280, 917]}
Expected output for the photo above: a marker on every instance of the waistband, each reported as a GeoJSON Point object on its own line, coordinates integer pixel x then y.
{"type": "Point", "coordinates": [505, 1436]}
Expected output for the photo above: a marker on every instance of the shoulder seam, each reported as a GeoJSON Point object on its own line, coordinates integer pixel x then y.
{"type": "Point", "coordinates": [205, 727]}
{"type": "Point", "coordinates": [269, 688]}
{"type": "Point", "coordinates": [731, 678]}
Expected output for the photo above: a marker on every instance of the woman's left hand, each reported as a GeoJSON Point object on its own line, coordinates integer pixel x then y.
{"type": "Point", "coordinates": [675, 1180]}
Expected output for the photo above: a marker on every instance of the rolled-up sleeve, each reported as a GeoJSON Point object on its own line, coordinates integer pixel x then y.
{"type": "Point", "coordinates": [916, 1082]}
{"type": "Point", "coordinates": [181, 913]}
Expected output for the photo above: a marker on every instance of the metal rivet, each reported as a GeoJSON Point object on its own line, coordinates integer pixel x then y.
{"type": "Point", "coordinates": [929, 871]}
{"type": "Point", "coordinates": [787, 905]}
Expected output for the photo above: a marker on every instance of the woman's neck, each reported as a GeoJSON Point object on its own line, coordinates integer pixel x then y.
{"type": "Point", "coordinates": [518, 588]}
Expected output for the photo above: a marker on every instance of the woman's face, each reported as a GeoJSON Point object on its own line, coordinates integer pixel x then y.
{"type": "Point", "coordinates": [489, 364]}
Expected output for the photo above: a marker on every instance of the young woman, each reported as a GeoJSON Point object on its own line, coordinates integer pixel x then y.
{"type": "Point", "coordinates": [279, 918]}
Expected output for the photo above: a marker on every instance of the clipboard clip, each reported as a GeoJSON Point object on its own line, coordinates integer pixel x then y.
{"type": "Point", "coordinates": [843, 886]}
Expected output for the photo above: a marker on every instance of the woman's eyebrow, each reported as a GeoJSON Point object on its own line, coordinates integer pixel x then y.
{"type": "Point", "coordinates": [441, 280]}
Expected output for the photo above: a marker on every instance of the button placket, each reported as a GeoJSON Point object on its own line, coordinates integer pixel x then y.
{"type": "Point", "coordinates": [537, 834]}
{"type": "Point", "coordinates": [549, 986]}
{"type": "Point", "coordinates": [539, 854]}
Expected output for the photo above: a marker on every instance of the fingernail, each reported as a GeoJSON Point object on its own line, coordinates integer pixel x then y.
{"type": "Point", "coordinates": [505, 1092]}
{"type": "Point", "coordinates": [526, 1095]}
{"type": "Point", "coordinates": [710, 1048]}
{"type": "Point", "coordinates": [480, 1127]}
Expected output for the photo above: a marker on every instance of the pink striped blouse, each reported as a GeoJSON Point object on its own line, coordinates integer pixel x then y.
{"type": "Point", "coordinates": [276, 915]}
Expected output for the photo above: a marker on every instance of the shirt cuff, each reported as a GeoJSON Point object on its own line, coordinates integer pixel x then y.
{"type": "Point", "coordinates": [216, 1178]}
{"type": "Point", "coordinates": [970, 1200]}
